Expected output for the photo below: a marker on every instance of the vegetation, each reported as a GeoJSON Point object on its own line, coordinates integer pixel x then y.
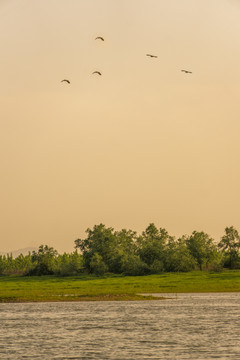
{"type": "Point", "coordinates": [44, 262]}
{"type": "Point", "coordinates": [114, 287]}
{"type": "Point", "coordinates": [124, 252]}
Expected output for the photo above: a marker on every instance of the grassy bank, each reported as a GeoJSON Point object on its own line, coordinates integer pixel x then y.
{"type": "Point", "coordinates": [92, 288]}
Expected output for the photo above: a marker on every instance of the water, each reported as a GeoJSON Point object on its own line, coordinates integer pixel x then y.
{"type": "Point", "coordinates": [190, 326]}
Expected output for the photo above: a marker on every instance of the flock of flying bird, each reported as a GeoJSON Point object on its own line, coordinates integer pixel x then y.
{"type": "Point", "coordinates": [99, 73]}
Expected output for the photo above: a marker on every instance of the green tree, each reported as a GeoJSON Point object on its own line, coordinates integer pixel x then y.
{"type": "Point", "coordinates": [202, 248]}
{"type": "Point", "coordinates": [125, 251]}
{"type": "Point", "coordinates": [2, 264]}
{"type": "Point", "coordinates": [68, 264]}
{"type": "Point", "coordinates": [152, 245]}
{"type": "Point", "coordinates": [116, 249]}
{"type": "Point", "coordinates": [178, 256]}
{"type": "Point", "coordinates": [23, 264]}
{"type": "Point", "coordinates": [97, 265]}
{"type": "Point", "coordinates": [132, 265]}
{"type": "Point", "coordinates": [100, 240]}
{"type": "Point", "coordinates": [230, 245]}
{"type": "Point", "coordinates": [43, 261]}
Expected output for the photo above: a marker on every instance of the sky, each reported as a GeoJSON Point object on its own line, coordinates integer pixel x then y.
{"type": "Point", "coordinates": [142, 143]}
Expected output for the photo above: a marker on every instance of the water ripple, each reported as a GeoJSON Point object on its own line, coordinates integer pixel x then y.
{"type": "Point", "coordinates": [188, 326]}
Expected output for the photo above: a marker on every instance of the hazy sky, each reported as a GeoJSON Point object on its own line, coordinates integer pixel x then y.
{"type": "Point", "coordinates": [142, 143]}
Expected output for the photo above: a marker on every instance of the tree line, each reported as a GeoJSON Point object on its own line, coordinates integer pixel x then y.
{"type": "Point", "coordinates": [154, 251]}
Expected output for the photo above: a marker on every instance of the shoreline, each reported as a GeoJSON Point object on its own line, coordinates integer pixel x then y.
{"type": "Point", "coordinates": [110, 297]}
{"type": "Point", "coordinates": [114, 288]}
{"type": "Point", "coordinates": [104, 298]}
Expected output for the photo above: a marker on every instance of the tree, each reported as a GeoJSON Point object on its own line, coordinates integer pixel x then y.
{"type": "Point", "coordinates": [100, 240]}
{"type": "Point", "coordinates": [20, 265]}
{"type": "Point", "coordinates": [112, 246]}
{"type": "Point", "coordinates": [23, 264]}
{"type": "Point", "coordinates": [178, 256]}
{"type": "Point", "coordinates": [97, 265]}
{"type": "Point", "coordinates": [152, 245]}
{"type": "Point", "coordinates": [2, 264]}
{"type": "Point", "coordinates": [68, 264]}
{"type": "Point", "coordinates": [125, 252]}
{"type": "Point", "coordinates": [132, 265]}
{"type": "Point", "coordinates": [43, 260]}
{"type": "Point", "coordinates": [230, 245]}
{"type": "Point", "coordinates": [202, 248]}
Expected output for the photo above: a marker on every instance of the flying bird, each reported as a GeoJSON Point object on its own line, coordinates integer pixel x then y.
{"type": "Point", "coordinates": [97, 72]}
{"type": "Point", "coordinates": [67, 81]}
{"type": "Point", "coordinates": [152, 56]}
{"type": "Point", "coordinates": [99, 38]}
{"type": "Point", "coordinates": [186, 71]}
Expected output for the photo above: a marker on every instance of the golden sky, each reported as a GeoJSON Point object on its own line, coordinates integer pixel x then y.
{"type": "Point", "coordinates": [142, 143]}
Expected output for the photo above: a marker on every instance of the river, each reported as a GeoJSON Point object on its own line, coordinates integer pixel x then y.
{"type": "Point", "coordinates": [185, 326]}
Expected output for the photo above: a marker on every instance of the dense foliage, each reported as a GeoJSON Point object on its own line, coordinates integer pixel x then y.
{"type": "Point", "coordinates": [125, 252]}
{"type": "Point", "coordinates": [46, 261]}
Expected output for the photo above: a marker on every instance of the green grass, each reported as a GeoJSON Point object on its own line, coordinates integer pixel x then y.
{"type": "Point", "coordinates": [112, 287]}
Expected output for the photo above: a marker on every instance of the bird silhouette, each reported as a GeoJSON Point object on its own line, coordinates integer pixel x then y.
{"type": "Point", "coordinates": [99, 38]}
{"type": "Point", "coordinates": [67, 81]}
{"type": "Point", "coordinates": [97, 72]}
{"type": "Point", "coordinates": [151, 56]}
{"type": "Point", "coordinates": [187, 71]}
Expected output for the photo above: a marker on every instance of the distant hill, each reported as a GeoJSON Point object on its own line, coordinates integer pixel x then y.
{"type": "Point", "coordinates": [23, 251]}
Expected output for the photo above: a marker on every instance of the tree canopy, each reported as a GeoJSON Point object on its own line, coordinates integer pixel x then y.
{"type": "Point", "coordinates": [154, 251]}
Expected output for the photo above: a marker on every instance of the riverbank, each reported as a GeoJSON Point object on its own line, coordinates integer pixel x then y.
{"type": "Point", "coordinates": [114, 288]}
